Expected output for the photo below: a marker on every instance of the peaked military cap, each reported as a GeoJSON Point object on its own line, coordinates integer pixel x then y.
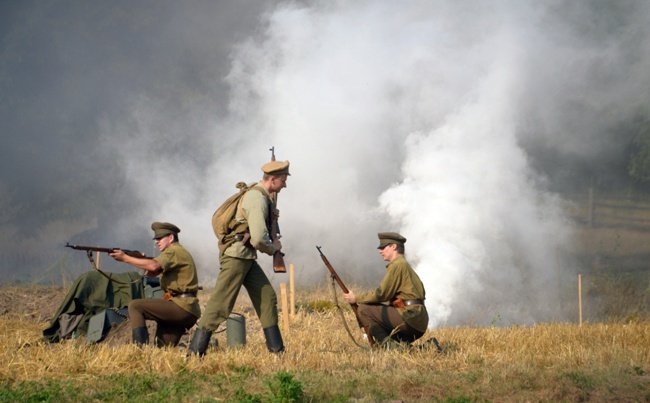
{"type": "Point", "coordinates": [387, 238]}
{"type": "Point", "coordinates": [161, 229]}
{"type": "Point", "coordinates": [276, 168]}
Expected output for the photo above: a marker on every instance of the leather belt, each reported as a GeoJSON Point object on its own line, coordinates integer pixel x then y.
{"type": "Point", "coordinates": [408, 302]}
{"type": "Point", "coordinates": [185, 295]}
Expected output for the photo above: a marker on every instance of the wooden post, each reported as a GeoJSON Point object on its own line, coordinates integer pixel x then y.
{"type": "Point", "coordinates": [99, 255]}
{"type": "Point", "coordinates": [590, 214]}
{"type": "Point", "coordinates": [285, 311]}
{"type": "Point", "coordinates": [292, 291]}
{"type": "Point", "coordinates": [580, 297]}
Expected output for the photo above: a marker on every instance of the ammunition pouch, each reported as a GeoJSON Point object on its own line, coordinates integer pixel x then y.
{"type": "Point", "coordinates": [232, 238]}
{"type": "Point", "coordinates": [243, 238]}
{"type": "Point", "coordinates": [238, 232]}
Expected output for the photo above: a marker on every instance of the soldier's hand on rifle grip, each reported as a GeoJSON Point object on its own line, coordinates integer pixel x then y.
{"type": "Point", "coordinates": [350, 297]}
{"type": "Point", "coordinates": [118, 255]}
{"type": "Point", "coordinates": [276, 243]}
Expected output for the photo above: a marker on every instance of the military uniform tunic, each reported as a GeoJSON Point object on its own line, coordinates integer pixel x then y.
{"type": "Point", "coordinates": [179, 276]}
{"type": "Point", "coordinates": [401, 281]}
{"type": "Point", "coordinates": [255, 209]}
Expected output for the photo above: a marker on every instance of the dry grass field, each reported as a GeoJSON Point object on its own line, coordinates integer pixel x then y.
{"type": "Point", "coordinates": [545, 362]}
{"type": "Point", "coordinates": [605, 359]}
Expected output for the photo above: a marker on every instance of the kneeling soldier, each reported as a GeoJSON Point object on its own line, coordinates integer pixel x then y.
{"type": "Point", "coordinates": [179, 309]}
{"type": "Point", "coordinates": [406, 318]}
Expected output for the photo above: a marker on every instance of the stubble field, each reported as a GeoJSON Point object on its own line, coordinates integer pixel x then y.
{"type": "Point", "coordinates": [545, 362]}
{"type": "Point", "coordinates": [607, 358]}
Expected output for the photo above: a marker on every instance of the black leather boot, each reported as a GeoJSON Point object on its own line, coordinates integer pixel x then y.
{"type": "Point", "coordinates": [200, 342]}
{"type": "Point", "coordinates": [274, 339]}
{"type": "Point", "coordinates": [140, 335]}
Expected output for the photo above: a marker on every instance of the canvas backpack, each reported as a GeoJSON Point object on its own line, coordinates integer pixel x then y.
{"type": "Point", "coordinates": [223, 220]}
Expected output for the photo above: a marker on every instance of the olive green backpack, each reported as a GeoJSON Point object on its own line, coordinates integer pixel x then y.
{"type": "Point", "coordinates": [223, 220]}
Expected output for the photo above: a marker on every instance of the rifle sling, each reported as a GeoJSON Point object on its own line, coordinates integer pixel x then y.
{"type": "Point", "coordinates": [92, 263]}
{"type": "Point", "coordinates": [345, 324]}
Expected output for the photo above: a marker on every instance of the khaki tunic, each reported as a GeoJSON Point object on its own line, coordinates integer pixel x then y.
{"type": "Point", "coordinates": [255, 206]}
{"type": "Point", "coordinates": [179, 276]}
{"type": "Point", "coordinates": [401, 281]}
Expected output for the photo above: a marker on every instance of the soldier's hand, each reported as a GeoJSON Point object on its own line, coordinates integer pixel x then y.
{"type": "Point", "coordinates": [277, 244]}
{"type": "Point", "coordinates": [350, 297]}
{"type": "Point", "coordinates": [118, 255]}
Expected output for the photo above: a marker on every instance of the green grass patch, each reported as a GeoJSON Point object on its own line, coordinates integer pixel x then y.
{"type": "Point", "coordinates": [317, 306]}
{"type": "Point", "coordinates": [280, 387]}
{"type": "Point", "coordinates": [45, 391]}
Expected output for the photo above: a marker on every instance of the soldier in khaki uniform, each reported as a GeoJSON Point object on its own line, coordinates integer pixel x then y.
{"type": "Point", "coordinates": [240, 268]}
{"type": "Point", "coordinates": [179, 309]}
{"type": "Point", "coordinates": [406, 318]}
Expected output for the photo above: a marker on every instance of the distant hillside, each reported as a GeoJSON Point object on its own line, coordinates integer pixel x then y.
{"type": "Point", "coordinates": [613, 251]}
{"type": "Point", "coordinates": [613, 231]}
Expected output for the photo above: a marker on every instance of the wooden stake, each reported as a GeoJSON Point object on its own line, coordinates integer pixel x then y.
{"type": "Point", "coordinates": [285, 311]}
{"type": "Point", "coordinates": [580, 297]}
{"type": "Point", "coordinates": [292, 291]}
{"type": "Point", "coordinates": [590, 213]}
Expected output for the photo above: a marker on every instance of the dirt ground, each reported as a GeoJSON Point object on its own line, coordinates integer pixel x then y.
{"type": "Point", "coordinates": [37, 303]}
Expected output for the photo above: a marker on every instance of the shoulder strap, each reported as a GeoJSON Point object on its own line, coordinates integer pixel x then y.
{"type": "Point", "coordinates": [241, 199]}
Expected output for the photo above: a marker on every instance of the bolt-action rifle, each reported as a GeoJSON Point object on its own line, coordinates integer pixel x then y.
{"type": "Point", "coordinates": [345, 290]}
{"type": "Point", "coordinates": [89, 252]}
{"type": "Point", "coordinates": [278, 256]}
{"type": "Point", "coordinates": [132, 253]}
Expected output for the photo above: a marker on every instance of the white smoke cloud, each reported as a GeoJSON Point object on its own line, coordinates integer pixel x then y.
{"type": "Point", "coordinates": [406, 118]}
{"type": "Point", "coordinates": [418, 117]}
{"type": "Point", "coordinates": [484, 236]}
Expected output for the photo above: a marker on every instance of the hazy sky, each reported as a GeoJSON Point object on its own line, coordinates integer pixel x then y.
{"type": "Point", "coordinates": [453, 122]}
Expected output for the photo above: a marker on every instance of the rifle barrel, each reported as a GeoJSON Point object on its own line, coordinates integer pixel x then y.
{"type": "Point", "coordinates": [132, 253]}
{"type": "Point", "coordinates": [91, 248]}
{"type": "Point", "coordinates": [334, 273]}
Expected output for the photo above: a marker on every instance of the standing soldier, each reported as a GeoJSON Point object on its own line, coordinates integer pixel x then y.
{"type": "Point", "coordinates": [406, 318]}
{"type": "Point", "coordinates": [179, 309]}
{"type": "Point", "coordinates": [239, 265]}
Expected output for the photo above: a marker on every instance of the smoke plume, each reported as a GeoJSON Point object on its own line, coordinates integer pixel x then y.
{"type": "Point", "coordinates": [445, 121]}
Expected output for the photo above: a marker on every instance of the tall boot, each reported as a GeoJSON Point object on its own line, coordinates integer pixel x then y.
{"type": "Point", "coordinates": [274, 339]}
{"type": "Point", "coordinates": [200, 342]}
{"type": "Point", "coordinates": [140, 335]}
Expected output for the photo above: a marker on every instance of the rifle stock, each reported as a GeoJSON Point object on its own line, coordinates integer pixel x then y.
{"type": "Point", "coordinates": [345, 290]}
{"type": "Point", "coordinates": [132, 253]}
{"type": "Point", "coordinates": [278, 257]}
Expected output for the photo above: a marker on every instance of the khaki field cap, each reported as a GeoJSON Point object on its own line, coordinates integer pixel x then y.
{"type": "Point", "coordinates": [276, 168]}
{"type": "Point", "coordinates": [387, 238]}
{"type": "Point", "coordinates": [161, 229]}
